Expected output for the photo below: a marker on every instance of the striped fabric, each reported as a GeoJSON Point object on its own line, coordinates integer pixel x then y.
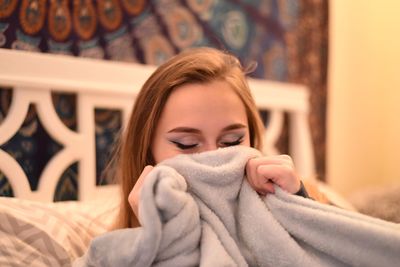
{"type": "Point", "coordinates": [50, 234]}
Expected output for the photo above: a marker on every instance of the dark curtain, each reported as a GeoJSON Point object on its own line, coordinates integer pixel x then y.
{"type": "Point", "coordinates": [308, 65]}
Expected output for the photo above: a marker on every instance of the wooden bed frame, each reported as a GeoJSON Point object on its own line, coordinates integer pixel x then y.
{"type": "Point", "coordinates": [112, 85]}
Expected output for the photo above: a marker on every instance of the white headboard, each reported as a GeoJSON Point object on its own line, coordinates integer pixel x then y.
{"type": "Point", "coordinates": [112, 85]}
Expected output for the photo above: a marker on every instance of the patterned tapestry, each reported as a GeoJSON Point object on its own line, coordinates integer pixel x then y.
{"type": "Point", "coordinates": [287, 39]}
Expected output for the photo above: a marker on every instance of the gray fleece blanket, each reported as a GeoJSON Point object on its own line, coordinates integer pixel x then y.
{"type": "Point", "coordinates": [198, 210]}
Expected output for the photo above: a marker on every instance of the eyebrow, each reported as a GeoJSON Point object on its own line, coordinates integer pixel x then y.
{"type": "Point", "coordinates": [197, 131]}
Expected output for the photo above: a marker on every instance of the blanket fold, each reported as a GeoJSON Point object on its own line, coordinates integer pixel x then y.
{"type": "Point", "coordinates": [198, 210]}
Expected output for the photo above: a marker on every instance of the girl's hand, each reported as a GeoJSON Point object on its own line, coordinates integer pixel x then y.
{"type": "Point", "coordinates": [264, 172]}
{"type": "Point", "coordinates": [134, 195]}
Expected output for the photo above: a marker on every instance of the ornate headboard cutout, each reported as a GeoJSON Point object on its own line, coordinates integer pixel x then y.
{"type": "Point", "coordinates": [111, 85]}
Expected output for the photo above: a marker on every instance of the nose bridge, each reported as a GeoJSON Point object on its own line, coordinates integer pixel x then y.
{"type": "Point", "coordinates": [210, 146]}
{"type": "Point", "coordinates": [210, 136]}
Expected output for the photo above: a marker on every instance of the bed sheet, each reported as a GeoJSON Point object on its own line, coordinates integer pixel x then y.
{"type": "Point", "coordinates": [51, 234]}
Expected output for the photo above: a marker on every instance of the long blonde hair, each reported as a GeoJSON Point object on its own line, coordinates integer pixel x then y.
{"type": "Point", "coordinates": [196, 65]}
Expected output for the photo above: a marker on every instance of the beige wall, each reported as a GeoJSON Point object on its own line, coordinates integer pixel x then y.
{"type": "Point", "coordinates": [363, 94]}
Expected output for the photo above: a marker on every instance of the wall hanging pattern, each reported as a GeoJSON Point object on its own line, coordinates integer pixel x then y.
{"type": "Point", "coordinates": [287, 39]}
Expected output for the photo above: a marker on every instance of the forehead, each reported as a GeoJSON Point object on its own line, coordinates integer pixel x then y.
{"type": "Point", "coordinates": [200, 96]}
{"type": "Point", "coordinates": [204, 101]}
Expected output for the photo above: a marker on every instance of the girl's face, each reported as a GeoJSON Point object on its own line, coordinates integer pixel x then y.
{"type": "Point", "coordinates": [198, 118]}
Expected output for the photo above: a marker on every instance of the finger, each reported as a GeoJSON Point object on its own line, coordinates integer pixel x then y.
{"type": "Point", "coordinates": [269, 187]}
{"type": "Point", "coordinates": [134, 195]}
{"type": "Point", "coordinates": [257, 181]}
{"type": "Point", "coordinates": [277, 159]}
{"type": "Point", "coordinates": [251, 172]}
{"type": "Point", "coordinates": [145, 172]}
{"type": "Point", "coordinates": [282, 175]}
{"type": "Point", "coordinates": [264, 188]}
{"type": "Point", "coordinates": [139, 183]}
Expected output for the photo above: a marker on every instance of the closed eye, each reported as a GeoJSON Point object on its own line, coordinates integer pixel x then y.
{"type": "Point", "coordinates": [183, 146]}
{"type": "Point", "coordinates": [234, 143]}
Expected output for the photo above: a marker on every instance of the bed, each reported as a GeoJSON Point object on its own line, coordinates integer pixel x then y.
{"type": "Point", "coordinates": [37, 231]}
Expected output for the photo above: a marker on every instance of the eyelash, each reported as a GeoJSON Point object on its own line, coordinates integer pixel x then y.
{"type": "Point", "coordinates": [182, 146]}
{"type": "Point", "coordinates": [185, 147]}
{"type": "Point", "coordinates": [234, 143]}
